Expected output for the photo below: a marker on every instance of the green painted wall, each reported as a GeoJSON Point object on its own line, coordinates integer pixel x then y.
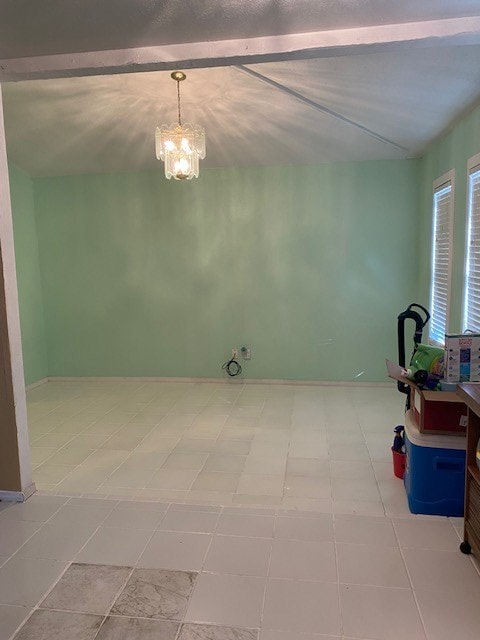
{"type": "Point", "coordinates": [28, 276]}
{"type": "Point", "coordinates": [309, 266]}
{"type": "Point", "coordinates": [450, 152]}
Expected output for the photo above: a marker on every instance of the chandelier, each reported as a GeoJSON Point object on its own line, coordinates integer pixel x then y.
{"type": "Point", "coordinates": [179, 145]}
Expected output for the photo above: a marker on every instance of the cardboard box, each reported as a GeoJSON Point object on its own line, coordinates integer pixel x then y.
{"type": "Point", "coordinates": [462, 357]}
{"type": "Point", "coordinates": [435, 412]}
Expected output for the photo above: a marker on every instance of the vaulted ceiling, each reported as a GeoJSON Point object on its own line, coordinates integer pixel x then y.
{"type": "Point", "coordinates": [272, 81]}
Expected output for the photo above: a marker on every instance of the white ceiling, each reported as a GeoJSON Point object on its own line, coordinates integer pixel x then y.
{"type": "Point", "coordinates": [379, 102]}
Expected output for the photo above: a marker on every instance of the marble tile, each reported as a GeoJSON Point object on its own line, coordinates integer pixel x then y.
{"type": "Point", "coordinates": [10, 618]}
{"type": "Point", "coordinates": [155, 593]}
{"type": "Point", "coordinates": [59, 625]}
{"type": "Point", "coordinates": [87, 588]}
{"type": "Point", "coordinates": [137, 629]}
{"type": "Point", "coordinates": [212, 632]}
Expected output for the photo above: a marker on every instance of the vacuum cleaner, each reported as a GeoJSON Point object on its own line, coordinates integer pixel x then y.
{"type": "Point", "coordinates": [420, 320]}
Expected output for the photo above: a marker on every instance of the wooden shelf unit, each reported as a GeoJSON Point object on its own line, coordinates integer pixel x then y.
{"type": "Point", "coordinates": [469, 392]}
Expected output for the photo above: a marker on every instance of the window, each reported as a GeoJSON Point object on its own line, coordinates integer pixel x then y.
{"type": "Point", "coordinates": [471, 301]}
{"type": "Point", "coordinates": [443, 199]}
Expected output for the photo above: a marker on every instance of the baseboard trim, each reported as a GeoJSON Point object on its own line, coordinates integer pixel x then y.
{"type": "Point", "coordinates": [17, 496]}
{"type": "Point", "coordinates": [240, 380]}
{"type": "Point", "coordinates": [39, 383]}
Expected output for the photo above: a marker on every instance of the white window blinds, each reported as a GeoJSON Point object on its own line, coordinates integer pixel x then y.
{"type": "Point", "coordinates": [441, 259]}
{"type": "Point", "coordinates": [471, 306]}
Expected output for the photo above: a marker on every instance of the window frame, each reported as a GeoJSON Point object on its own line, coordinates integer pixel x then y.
{"type": "Point", "coordinates": [446, 179]}
{"type": "Point", "coordinates": [473, 166]}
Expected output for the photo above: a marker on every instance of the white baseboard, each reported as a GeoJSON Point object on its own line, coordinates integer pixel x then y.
{"type": "Point", "coordinates": [38, 383]}
{"type": "Point", "coordinates": [17, 496]}
{"type": "Point", "coordinates": [319, 383]}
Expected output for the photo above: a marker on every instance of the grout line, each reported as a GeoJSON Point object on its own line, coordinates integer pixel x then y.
{"type": "Point", "coordinates": [417, 604]}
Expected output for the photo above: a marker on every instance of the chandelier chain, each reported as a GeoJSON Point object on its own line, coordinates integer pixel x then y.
{"type": "Point", "coordinates": [178, 102]}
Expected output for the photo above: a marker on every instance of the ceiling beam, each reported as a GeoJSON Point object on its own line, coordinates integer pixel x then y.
{"type": "Point", "coordinates": [294, 46]}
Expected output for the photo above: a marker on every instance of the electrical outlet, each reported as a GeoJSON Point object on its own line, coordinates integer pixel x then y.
{"type": "Point", "coordinates": [234, 353]}
{"type": "Point", "coordinates": [246, 353]}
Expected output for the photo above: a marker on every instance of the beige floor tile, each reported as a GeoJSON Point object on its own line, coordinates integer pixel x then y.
{"type": "Point", "coordinates": [198, 445]}
{"type": "Point", "coordinates": [134, 518]}
{"type": "Point", "coordinates": [175, 550]}
{"type": "Point", "coordinates": [225, 462]}
{"type": "Point", "coordinates": [431, 534]}
{"type": "Point", "coordinates": [51, 473]}
{"type": "Point", "coordinates": [11, 616]}
{"type": "Point", "coordinates": [307, 467]}
{"type": "Point", "coordinates": [448, 615]}
{"type": "Point", "coordinates": [355, 489]}
{"type": "Point", "coordinates": [366, 613]}
{"type": "Point", "coordinates": [238, 555]}
{"type": "Point", "coordinates": [308, 487]}
{"type": "Point", "coordinates": [14, 533]}
{"type": "Point", "coordinates": [302, 560]}
{"type": "Point", "coordinates": [70, 455]}
{"type": "Point", "coordinates": [318, 528]}
{"type": "Point", "coordinates": [257, 484]}
{"type": "Point", "coordinates": [129, 477]}
{"type": "Point", "coordinates": [38, 455]}
{"type": "Point", "coordinates": [258, 526]}
{"type": "Point", "coordinates": [185, 461]}
{"type": "Point", "coordinates": [173, 479]}
{"type": "Point", "coordinates": [294, 606]}
{"type": "Point", "coordinates": [232, 447]}
{"type": "Point", "coordinates": [216, 481]}
{"type": "Point", "coordinates": [59, 541]}
{"type": "Point", "coordinates": [365, 530]}
{"type": "Point", "coordinates": [358, 507]}
{"type": "Point", "coordinates": [36, 509]}
{"type": "Point", "coordinates": [115, 546]}
{"type": "Point", "coordinates": [210, 497]}
{"type": "Point", "coordinates": [193, 521]}
{"type": "Point", "coordinates": [440, 571]}
{"type": "Point", "coordinates": [227, 600]}
{"type": "Point", "coordinates": [23, 581]}
{"type": "Point", "coordinates": [371, 565]}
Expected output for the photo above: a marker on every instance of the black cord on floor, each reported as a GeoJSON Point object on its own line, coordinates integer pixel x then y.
{"type": "Point", "coordinates": [232, 367]}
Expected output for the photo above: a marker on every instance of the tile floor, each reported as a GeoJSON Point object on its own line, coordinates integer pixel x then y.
{"type": "Point", "coordinates": [297, 446]}
{"type": "Point", "coordinates": [85, 568]}
{"type": "Point", "coordinates": [225, 512]}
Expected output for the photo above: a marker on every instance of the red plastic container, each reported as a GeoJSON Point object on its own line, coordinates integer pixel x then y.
{"type": "Point", "coordinates": [398, 463]}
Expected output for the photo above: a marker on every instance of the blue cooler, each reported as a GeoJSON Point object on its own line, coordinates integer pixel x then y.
{"type": "Point", "coordinates": [434, 471]}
